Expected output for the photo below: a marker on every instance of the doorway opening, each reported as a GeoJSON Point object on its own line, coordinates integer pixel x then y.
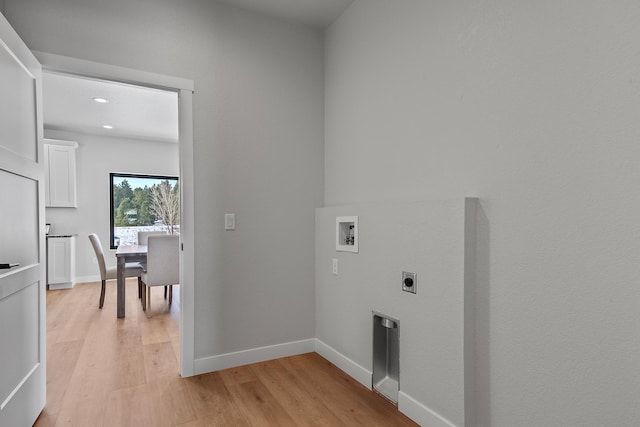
{"type": "Point", "coordinates": [182, 91]}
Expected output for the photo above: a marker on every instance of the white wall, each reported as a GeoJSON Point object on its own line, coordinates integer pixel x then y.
{"type": "Point", "coordinates": [96, 157]}
{"type": "Point", "coordinates": [533, 107]}
{"type": "Point", "coordinates": [258, 147]}
{"type": "Point", "coordinates": [430, 239]}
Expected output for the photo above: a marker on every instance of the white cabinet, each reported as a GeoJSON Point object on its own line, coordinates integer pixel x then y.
{"type": "Point", "coordinates": [60, 179]}
{"type": "Point", "coordinates": [61, 255]}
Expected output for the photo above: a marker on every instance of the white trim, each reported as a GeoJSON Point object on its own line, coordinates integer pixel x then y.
{"type": "Point", "coordinates": [353, 369]}
{"type": "Point", "coordinates": [254, 355]}
{"type": "Point", "coordinates": [469, 340]}
{"type": "Point", "coordinates": [406, 404]}
{"type": "Point", "coordinates": [65, 285]}
{"type": "Point", "coordinates": [184, 87]}
{"type": "Point", "coordinates": [420, 413]}
{"type": "Point", "coordinates": [60, 142]}
{"type": "Point", "coordinates": [81, 67]}
{"type": "Point", "coordinates": [187, 234]}
{"type": "Point", "coordinates": [13, 44]}
{"type": "Point", "coordinates": [87, 279]}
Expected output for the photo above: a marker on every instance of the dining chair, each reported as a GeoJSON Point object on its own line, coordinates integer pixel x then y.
{"type": "Point", "coordinates": [163, 267]}
{"type": "Point", "coordinates": [143, 238]}
{"type": "Point", "coordinates": [132, 269]}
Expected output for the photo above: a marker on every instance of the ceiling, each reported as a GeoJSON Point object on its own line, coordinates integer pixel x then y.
{"type": "Point", "coordinates": [133, 111]}
{"type": "Point", "coordinates": [150, 114]}
{"type": "Point", "coordinates": [314, 13]}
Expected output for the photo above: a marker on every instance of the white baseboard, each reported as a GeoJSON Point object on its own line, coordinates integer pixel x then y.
{"type": "Point", "coordinates": [406, 404]}
{"type": "Point", "coordinates": [354, 370]}
{"type": "Point", "coordinates": [91, 279]}
{"type": "Point", "coordinates": [261, 354]}
{"type": "Point", "coordinates": [420, 413]}
{"type": "Point", "coordinates": [415, 410]}
{"type": "Point", "coordinates": [254, 355]}
{"type": "Point", "coordinates": [66, 285]}
{"type": "Point", "coordinates": [87, 279]}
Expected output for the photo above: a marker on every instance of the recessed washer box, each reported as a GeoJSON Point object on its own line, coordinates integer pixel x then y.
{"type": "Point", "coordinates": [347, 234]}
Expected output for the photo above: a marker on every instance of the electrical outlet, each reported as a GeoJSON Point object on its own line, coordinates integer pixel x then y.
{"type": "Point", "coordinates": [334, 266]}
{"type": "Point", "coordinates": [409, 282]}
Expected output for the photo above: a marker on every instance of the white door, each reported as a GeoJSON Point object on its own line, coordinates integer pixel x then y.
{"type": "Point", "coordinates": [22, 288]}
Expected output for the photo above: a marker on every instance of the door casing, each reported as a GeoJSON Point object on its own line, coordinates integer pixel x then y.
{"type": "Point", "coordinates": [185, 89]}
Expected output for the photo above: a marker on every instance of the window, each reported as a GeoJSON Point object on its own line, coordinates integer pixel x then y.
{"type": "Point", "coordinates": [142, 203]}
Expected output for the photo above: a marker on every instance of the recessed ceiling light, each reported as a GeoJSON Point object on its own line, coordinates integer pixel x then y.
{"type": "Point", "coordinates": [100, 100]}
{"type": "Point", "coordinates": [107, 126]}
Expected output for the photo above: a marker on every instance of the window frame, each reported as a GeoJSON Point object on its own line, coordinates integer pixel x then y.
{"type": "Point", "coordinates": [113, 175]}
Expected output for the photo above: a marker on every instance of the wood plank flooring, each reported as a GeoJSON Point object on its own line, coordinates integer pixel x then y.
{"type": "Point", "coordinates": [104, 371]}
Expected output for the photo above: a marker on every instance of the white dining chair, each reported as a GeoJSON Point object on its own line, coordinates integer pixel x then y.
{"type": "Point", "coordinates": [132, 269]}
{"type": "Point", "coordinates": [143, 236]}
{"type": "Point", "coordinates": [163, 267]}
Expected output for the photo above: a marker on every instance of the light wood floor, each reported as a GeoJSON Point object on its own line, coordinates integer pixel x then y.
{"type": "Point", "coordinates": [104, 371]}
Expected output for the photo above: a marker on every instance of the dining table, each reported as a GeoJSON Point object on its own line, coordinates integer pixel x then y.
{"type": "Point", "coordinates": [125, 254]}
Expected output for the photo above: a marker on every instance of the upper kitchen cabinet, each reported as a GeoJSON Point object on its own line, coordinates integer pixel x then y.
{"type": "Point", "coordinates": [60, 163]}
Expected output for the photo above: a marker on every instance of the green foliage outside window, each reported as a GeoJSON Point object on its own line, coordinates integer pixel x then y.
{"type": "Point", "coordinates": [145, 206]}
{"type": "Point", "coordinates": [151, 202]}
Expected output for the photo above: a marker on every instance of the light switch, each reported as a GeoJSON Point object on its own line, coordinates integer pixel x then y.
{"type": "Point", "coordinates": [229, 221]}
{"type": "Point", "coordinates": [334, 267]}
